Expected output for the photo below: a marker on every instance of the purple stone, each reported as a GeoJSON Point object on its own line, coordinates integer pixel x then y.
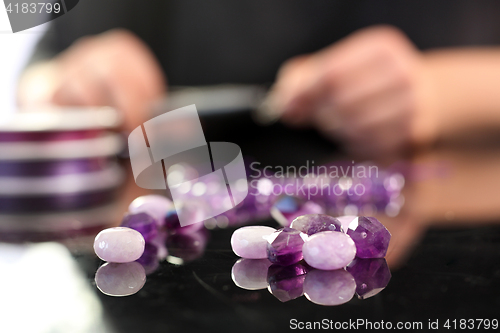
{"type": "Point", "coordinates": [329, 287]}
{"type": "Point", "coordinates": [287, 208]}
{"type": "Point", "coordinates": [173, 225]}
{"type": "Point", "coordinates": [155, 205]}
{"type": "Point", "coordinates": [285, 282]}
{"type": "Point", "coordinates": [119, 245]}
{"type": "Point", "coordinates": [329, 250]}
{"type": "Point", "coordinates": [284, 246]}
{"type": "Point", "coordinates": [370, 236]}
{"type": "Point", "coordinates": [142, 222]}
{"type": "Point", "coordinates": [313, 223]}
{"type": "Point", "coordinates": [371, 275]}
{"type": "Point", "coordinates": [183, 248]}
{"type": "Point", "coordinates": [149, 259]}
{"type": "Point", "coordinates": [251, 242]}
{"type": "Point", "coordinates": [345, 220]}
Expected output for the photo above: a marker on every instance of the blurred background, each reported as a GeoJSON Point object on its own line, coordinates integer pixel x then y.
{"type": "Point", "coordinates": [408, 87]}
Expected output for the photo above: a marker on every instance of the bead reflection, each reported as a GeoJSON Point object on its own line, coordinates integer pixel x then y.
{"type": "Point", "coordinates": [286, 282]}
{"type": "Point", "coordinates": [363, 277]}
{"type": "Point", "coordinates": [371, 275]}
{"type": "Point", "coordinates": [120, 279]}
{"type": "Point", "coordinates": [250, 274]}
{"type": "Point", "coordinates": [183, 248]}
{"type": "Point", "coordinates": [329, 287]}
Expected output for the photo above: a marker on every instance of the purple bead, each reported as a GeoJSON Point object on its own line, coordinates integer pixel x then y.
{"type": "Point", "coordinates": [284, 246]}
{"type": "Point", "coordinates": [370, 236]}
{"type": "Point", "coordinates": [155, 205]}
{"type": "Point", "coordinates": [251, 242]}
{"type": "Point", "coordinates": [119, 245]}
{"type": "Point", "coordinates": [329, 287]}
{"type": "Point", "coordinates": [329, 250]}
{"type": "Point", "coordinates": [149, 259]}
{"type": "Point", "coordinates": [371, 275]}
{"type": "Point", "coordinates": [287, 208]}
{"type": "Point", "coordinates": [313, 223]}
{"type": "Point", "coordinates": [285, 282]}
{"type": "Point", "coordinates": [142, 222]}
{"type": "Point", "coordinates": [173, 225]}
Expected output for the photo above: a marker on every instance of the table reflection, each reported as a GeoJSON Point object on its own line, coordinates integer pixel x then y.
{"type": "Point", "coordinates": [120, 279]}
{"type": "Point", "coordinates": [444, 188]}
{"type": "Point", "coordinates": [364, 278]}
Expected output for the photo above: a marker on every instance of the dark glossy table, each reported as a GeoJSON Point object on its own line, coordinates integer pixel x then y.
{"type": "Point", "coordinates": [444, 258]}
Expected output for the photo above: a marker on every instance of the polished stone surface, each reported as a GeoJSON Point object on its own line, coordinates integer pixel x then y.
{"type": "Point", "coordinates": [329, 250]}
{"type": "Point", "coordinates": [251, 242]}
{"type": "Point", "coordinates": [142, 222]}
{"type": "Point", "coordinates": [119, 245]}
{"type": "Point", "coordinates": [155, 205]}
{"type": "Point", "coordinates": [370, 236]}
{"type": "Point", "coordinates": [311, 224]}
{"type": "Point", "coordinates": [284, 246]}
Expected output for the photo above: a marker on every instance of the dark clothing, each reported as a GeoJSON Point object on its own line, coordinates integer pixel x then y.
{"type": "Point", "coordinates": [200, 42]}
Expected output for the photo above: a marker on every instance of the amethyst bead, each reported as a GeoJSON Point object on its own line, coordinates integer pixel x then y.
{"type": "Point", "coordinates": [287, 208]}
{"type": "Point", "coordinates": [251, 242]}
{"type": "Point", "coordinates": [329, 250]}
{"type": "Point", "coordinates": [313, 223]}
{"type": "Point", "coordinates": [173, 225]}
{"type": "Point", "coordinates": [143, 223]}
{"type": "Point", "coordinates": [329, 287]}
{"type": "Point", "coordinates": [371, 275]}
{"type": "Point", "coordinates": [119, 245]}
{"type": "Point", "coordinates": [155, 205]}
{"type": "Point", "coordinates": [370, 236]}
{"type": "Point", "coordinates": [149, 259]}
{"type": "Point", "coordinates": [284, 246]}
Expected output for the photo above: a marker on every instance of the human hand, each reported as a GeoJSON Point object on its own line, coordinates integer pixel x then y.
{"type": "Point", "coordinates": [114, 68]}
{"type": "Point", "coordinates": [364, 90]}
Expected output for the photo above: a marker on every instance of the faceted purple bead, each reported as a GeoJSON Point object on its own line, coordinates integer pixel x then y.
{"type": "Point", "coordinates": [285, 282]}
{"type": "Point", "coordinates": [371, 275]}
{"type": "Point", "coordinates": [370, 236]}
{"type": "Point", "coordinates": [287, 208]}
{"type": "Point", "coordinates": [142, 222]}
{"type": "Point", "coordinates": [284, 246]}
{"type": "Point", "coordinates": [313, 223]}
